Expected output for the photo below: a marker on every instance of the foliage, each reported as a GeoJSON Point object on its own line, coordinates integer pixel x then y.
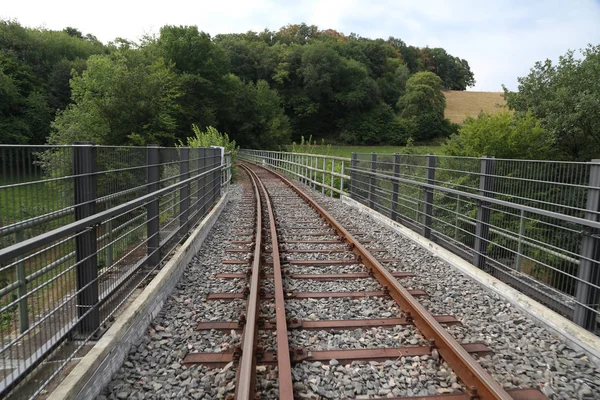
{"type": "Point", "coordinates": [566, 99]}
{"type": "Point", "coordinates": [423, 106]}
{"type": "Point", "coordinates": [309, 146]}
{"type": "Point", "coordinates": [124, 98]}
{"type": "Point", "coordinates": [263, 88]}
{"type": "Point", "coordinates": [35, 68]}
{"type": "Point", "coordinates": [503, 135]}
{"type": "Point", "coordinates": [211, 137]}
{"type": "Point", "coordinates": [423, 96]}
{"type": "Point", "coordinates": [346, 151]}
{"type": "Point", "coordinates": [379, 126]}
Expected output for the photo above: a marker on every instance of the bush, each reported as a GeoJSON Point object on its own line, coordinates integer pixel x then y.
{"type": "Point", "coordinates": [378, 126]}
{"type": "Point", "coordinates": [502, 135]}
{"type": "Point", "coordinates": [431, 126]}
{"type": "Point", "coordinates": [211, 137]}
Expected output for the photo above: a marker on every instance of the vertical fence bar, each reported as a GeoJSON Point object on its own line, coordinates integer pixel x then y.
{"type": "Point", "coordinates": [323, 175]}
{"type": "Point", "coordinates": [309, 162]}
{"type": "Point", "coordinates": [85, 194]}
{"type": "Point", "coordinates": [152, 211]}
{"type": "Point", "coordinates": [314, 166]}
{"type": "Point", "coordinates": [342, 178]}
{"type": "Point", "coordinates": [428, 196]}
{"type": "Point", "coordinates": [22, 292]}
{"type": "Point", "coordinates": [317, 171]}
{"type": "Point", "coordinates": [220, 160]}
{"type": "Point", "coordinates": [108, 254]}
{"type": "Point", "coordinates": [395, 187]}
{"type": "Point", "coordinates": [520, 241]}
{"type": "Point", "coordinates": [213, 175]}
{"type": "Point", "coordinates": [184, 191]}
{"type": "Point", "coordinates": [589, 262]}
{"type": "Point", "coordinates": [353, 177]}
{"type": "Point", "coordinates": [202, 181]}
{"type": "Point", "coordinates": [332, 177]}
{"type": "Point", "coordinates": [308, 171]}
{"type": "Point", "coordinates": [482, 227]}
{"type": "Point", "coordinates": [372, 181]}
{"type": "Point", "coordinates": [456, 214]}
{"type": "Point", "coordinates": [305, 170]}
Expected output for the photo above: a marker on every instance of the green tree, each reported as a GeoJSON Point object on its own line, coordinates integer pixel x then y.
{"type": "Point", "coordinates": [423, 96]}
{"type": "Point", "coordinates": [377, 126]}
{"type": "Point", "coordinates": [35, 69]}
{"type": "Point", "coordinates": [121, 98]}
{"type": "Point", "coordinates": [423, 104]}
{"type": "Point", "coordinates": [254, 114]}
{"type": "Point", "coordinates": [454, 72]}
{"type": "Point", "coordinates": [502, 135]}
{"type": "Point", "coordinates": [566, 99]}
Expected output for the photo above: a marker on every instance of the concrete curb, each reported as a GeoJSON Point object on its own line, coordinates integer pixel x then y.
{"type": "Point", "coordinates": [97, 367]}
{"type": "Point", "coordinates": [572, 334]}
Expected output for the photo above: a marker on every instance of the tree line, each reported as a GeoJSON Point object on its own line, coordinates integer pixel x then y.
{"type": "Point", "coordinates": [265, 89]}
{"type": "Point", "coordinates": [554, 115]}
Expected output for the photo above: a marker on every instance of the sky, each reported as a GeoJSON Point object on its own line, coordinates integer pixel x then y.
{"type": "Point", "coordinates": [501, 39]}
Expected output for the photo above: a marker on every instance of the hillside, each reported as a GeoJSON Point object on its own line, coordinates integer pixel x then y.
{"type": "Point", "coordinates": [460, 104]}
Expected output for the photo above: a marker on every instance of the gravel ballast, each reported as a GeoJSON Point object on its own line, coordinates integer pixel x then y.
{"type": "Point", "coordinates": [525, 355]}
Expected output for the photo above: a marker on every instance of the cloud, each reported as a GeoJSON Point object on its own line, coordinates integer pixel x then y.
{"type": "Point", "coordinates": [501, 40]}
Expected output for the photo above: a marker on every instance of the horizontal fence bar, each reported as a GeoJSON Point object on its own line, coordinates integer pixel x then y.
{"type": "Point", "coordinates": [31, 244]}
{"type": "Point", "coordinates": [73, 241]}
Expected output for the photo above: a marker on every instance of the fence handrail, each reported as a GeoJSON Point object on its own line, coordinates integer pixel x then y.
{"type": "Point", "coordinates": [300, 154]}
{"type": "Point", "coordinates": [567, 218]}
{"type": "Point", "coordinates": [27, 245]}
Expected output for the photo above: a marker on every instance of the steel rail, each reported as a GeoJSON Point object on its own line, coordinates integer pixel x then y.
{"type": "Point", "coordinates": [284, 365]}
{"type": "Point", "coordinates": [474, 376]}
{"type": "Point", "coordinates": [246, 373]}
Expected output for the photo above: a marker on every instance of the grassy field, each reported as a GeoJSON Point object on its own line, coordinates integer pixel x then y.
{"type": "Point", "coordinates": [460, 104]}
{"type": "Point", "coordinates": [346, 151]}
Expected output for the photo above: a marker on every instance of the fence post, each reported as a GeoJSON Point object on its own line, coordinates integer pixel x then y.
{"type": "Point", "coordinates": [587, 296]}
{"type": "Point", "coordinates": [456, 214]}
{"type": "Point", "coordinates": [152, 211]}
{"type": "Point", "coordinates": [342, 179]}
{"type": "Point", "coordinates": [395, 187]}
{"type": "Point", "coordinates": [323, 165]}
{"type": "Point", "coordinates": [372, 180]}
{"type": "Point", "coordinates": [201, 182]}
{"type": "Point", "coordinates": [212, 185]}
{"type": "Point", "coordinates": [428, 194]}
{"type": "Point", "coordinates": [353, 177]}
{"type": "Point", "coordinates": [21, 278]}
{"type": "Point", "coordinates": [520, 241]}
{"type": "Point", "coordinates": [184, 191]}
{"type": "Point", "coordinates": [220, 158]}
{"type": "Point", "coordinates": [482, 227]}
{"type": "Point", "coordinates": [332, 177]}
{"type": "Point", "coordinates": [314, 166]}
{"type": "Point", "coordinates": [85, 194]}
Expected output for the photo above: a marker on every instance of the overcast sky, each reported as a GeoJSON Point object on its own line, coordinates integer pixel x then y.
{"type": "Point", "coordinates": [500, 39]}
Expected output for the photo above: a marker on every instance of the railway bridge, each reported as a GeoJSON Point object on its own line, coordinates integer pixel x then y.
{"type": "Point", "coordinates": [148, 272]}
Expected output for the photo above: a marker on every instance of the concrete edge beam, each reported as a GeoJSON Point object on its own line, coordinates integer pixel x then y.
{"type": "Point", "coordinates": [575, 336]}
{"type": "Point", "coordinates": [97, 367]}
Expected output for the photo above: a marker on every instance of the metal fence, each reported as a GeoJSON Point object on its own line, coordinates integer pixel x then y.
{"type": "Point", "coordinates": [533, 224]}
{"type": "Point", "coordinates": [81, 228]}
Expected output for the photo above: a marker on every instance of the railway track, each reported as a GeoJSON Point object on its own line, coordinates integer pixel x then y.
{"type": "Point", "coordinates": [288, 241]}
